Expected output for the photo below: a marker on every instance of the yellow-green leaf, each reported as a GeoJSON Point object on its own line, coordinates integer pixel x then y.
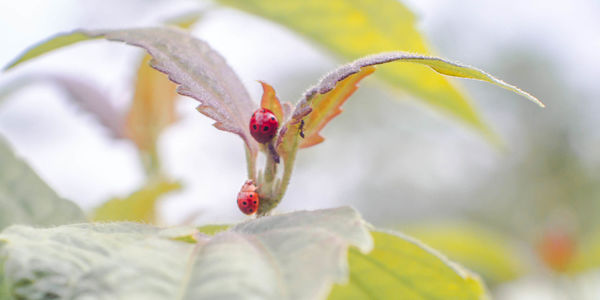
{"type": "Point", "coordinates": [355, 28]}
{"type": "Point", "coordinates": [490, 254]}
{"type": "Point", "coordinates": [327, 106]}
{"type": "Point", "coordinates": [138, 207]}
{"type": "Point", "coordinates": [587, 256]}
{"type": "Point", "coordinates": [49, 45]}
{"type": "Point", "coordinates": [401, 268]}
{"type": "Point", "coordinates": [270, 101]}
{"type": "Point", "coordinates": [153, 107]}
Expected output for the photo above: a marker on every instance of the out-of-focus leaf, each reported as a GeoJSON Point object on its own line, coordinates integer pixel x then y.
{"type": "Point", "coordinates": [139, 206]}
{"type": "Point", "coordinates": [26, 199]}
{"type": "Point", "coordinates": [53, 43]}
{"type": "Point", "coordinates": [185, 21]}
{"type": "Point", "coordinates": [81, 92]}
{"type": "Point", "coordinates": [587, 254]}
{"type": "Point", "coordinates": [327, 106]}
{"type": "Point", "coordinates": [200, 71]}
{"type": "Point", "coordinates": [402, 268]}
{"type": "Point", "coordinates": [292, 256]}
{"type": "Point", "coordinates": [355, 28]}
{"type": "Point", "coordinates": [490, 254]}
{"type": "Point", "coordinates": [153, 107]}
{"type": "Point", "coordinates": [270, 101]}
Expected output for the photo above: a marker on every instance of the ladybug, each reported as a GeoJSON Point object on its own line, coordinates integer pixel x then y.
{"type": "Point", "coordinates": [263, 125]}
{"type": "Point", "coordinates": [247, 198]}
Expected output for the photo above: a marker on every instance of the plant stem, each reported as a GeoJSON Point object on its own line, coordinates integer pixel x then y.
{"type": "Point", "coordinates": [250, 164]}
{"type": "Point", "coordinates": [151, 163]}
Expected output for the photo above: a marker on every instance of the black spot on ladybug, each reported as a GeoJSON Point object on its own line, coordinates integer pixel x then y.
{"type": "Point", "coordinates": [265, 128]}
{"type": "Point", "coordinates": [254, 127]}
{"type": "Point", "coordinates": [272, 119]}
{"type": "Point", "coordinates": [254, 201]}
{"type": "Point", "coordinates": [251, 195]}
{"type": "Point", "coordinates": [244, 203]}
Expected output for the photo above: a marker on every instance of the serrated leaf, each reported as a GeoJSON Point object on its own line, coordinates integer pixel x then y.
{"type": "Point", "coordinates": [26, 199]}
{"type": "Point", "coordinates": [153, 107]}
{"type": "Point", "coordinates": [81, 92]}
{"type": "Point", "coordinates": [355, 28]}
{"type": "Point", "coordinates": [200, 71]}
{"type": "Point", "coordinates": [402, 268]}
{"type": "Point", "coordinates": [440, 65]}
{"type": "Point", "coordinates": [292, 256]}
{"type": "Point", "coordinates": [327, 106]}
{"type": "Point", "coordinates": [339, 84]}
{"type": "Point", "coordinates": [140, 206]}
{"type": "Point", "coordinates": [490, 254]}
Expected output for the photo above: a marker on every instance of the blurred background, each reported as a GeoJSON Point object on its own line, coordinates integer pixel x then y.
{"type": "Point", "coordinates": [533, 207]}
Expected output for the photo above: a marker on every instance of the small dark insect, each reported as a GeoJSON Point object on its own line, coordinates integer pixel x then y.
{"type": "Point", "coordinates": [302, 128]}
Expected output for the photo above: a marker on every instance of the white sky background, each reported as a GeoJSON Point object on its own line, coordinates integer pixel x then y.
{"type": "Point", "coordinates": [76, 157]}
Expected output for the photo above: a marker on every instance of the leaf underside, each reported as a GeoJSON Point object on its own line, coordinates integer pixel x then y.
{"type": "Point", "coordinates": [201, 72]}
{"type": "Point", "coordinates": [292, 256]}
{"type": "Point", "coordinates": [323, 100]}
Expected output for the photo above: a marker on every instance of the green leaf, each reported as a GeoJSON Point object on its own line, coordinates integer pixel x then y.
{"type": "Point", "coordinates": [201, 72]}
{"type": "Point", "coordinates": [402, 268]}
{"type": "Point", "coordinates": [587, 256]}
{"type": "Point", "coordinates": [490, 254]}
{"type": "Point", "coordinates": [53, 43]}
{"type": "Point", "coordinates": [26, 199]}
{"type": "Point", "coordinates": [328, 105]}
{"type": "Point", "coordinates": [355, 28]}
{"type": "Point", "coordinates": [138, 207]}
{"type": "Point", "coordinates": [292, 256]}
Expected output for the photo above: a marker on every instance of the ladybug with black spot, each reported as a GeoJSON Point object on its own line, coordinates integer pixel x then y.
{"type": "Point", "coordinates": [263, 125]}
{"type": "Point", "coordinates": [247, 198]}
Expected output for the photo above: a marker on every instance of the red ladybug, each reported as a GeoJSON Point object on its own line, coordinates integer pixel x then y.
{"type": "Point", "coordinates": [263, 125]}
{"type": "Point", "coordinates": [247, 198]}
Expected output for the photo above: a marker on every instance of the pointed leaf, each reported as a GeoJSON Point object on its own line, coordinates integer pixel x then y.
{"type": "Point", "coordinates": [440, 65]}
{"type": "Point", "coordinates": [292, 256]}
{"type": "Point", "coordinates": [26, 199]}
{"type": "Point", "coordinates": [49, 45]}
{"type": "Point", "coordinates": [139, 206]}
{"type": "Point", "coordinates": [355, 28]}
{"type": "Point", "coordinates": [339, 84]}
{"type": "Point", "coordinates": [270, 101]}
{"type": "Point", "coordinates": [327, 106]}
{"type": "Point", "coordinates": [402, 268]}
{"type": "Point", "coordinates": [200, 71]}
{"type": "Point", "coordinates": [153, 107]}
